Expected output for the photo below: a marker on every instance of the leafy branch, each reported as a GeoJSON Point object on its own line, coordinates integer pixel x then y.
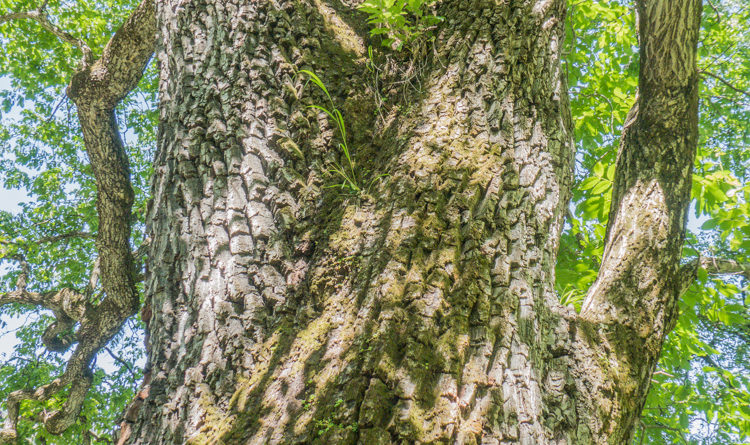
{"type": "Point", "coordinates": [725, 82]}
{"type": "Point", "coordinates": [40, 16]}
{"type": "Point", "coordinates": [96, 88]}
{"type": "Point", "coordinates": [401, 21]}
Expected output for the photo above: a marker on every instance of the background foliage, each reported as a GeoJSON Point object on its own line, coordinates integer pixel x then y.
{"type": "Point", "coordinates": [42, 153]}
{"type": "Point", "coordinates": [700, 393]}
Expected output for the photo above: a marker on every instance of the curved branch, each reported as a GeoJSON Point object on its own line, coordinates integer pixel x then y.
{"type": "Point", "coordinates": [77, 376]}
{"type": "Point", "coordinates": [66, 302]}
{"type": "Point", "coordinates": [633, 303]}
{"type": "Point", "coordinates": [67, 305]}
{"type": "Point", "coordinates": [638, 282]}
{"type": "Point", "coordinates": [96, 89]}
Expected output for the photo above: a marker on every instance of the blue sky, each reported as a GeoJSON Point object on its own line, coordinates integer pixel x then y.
{"type": "Point", "coordinates": [9, 200]}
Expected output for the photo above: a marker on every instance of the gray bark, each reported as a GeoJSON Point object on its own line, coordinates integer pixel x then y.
{"type": "Point", "coordinates": [633, 303]}
{"type": "Point", "coordinates": [424, 311]}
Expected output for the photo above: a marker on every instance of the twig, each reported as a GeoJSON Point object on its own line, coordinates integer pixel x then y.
{"type": "Point", "coordinates": [119, 360]}
{"type": "Point", "coordinates": [725, 82]}
{"type": "Point", "coordinates": [718, 14]}
{"type": "Point", "coordinates": [43, 6]}
{"type": "Point", "coordinates": [97, 437]}
{"type": "Point", "coordinates": [54, 110]}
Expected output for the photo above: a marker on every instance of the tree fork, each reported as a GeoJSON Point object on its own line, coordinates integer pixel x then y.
{"type": "Point", "coordinates": [281, 313]}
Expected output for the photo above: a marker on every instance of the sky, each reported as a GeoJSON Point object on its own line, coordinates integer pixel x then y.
{"type": "Point", "coordinates": [9, 200]}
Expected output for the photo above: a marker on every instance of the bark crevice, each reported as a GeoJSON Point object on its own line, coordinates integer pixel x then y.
{"type": "Point", "coordinates": [423, 313]}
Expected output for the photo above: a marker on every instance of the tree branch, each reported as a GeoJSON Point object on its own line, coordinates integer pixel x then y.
{"type": "Point", "coordinates": [661, 426]}
{"type": "Point", "coordinates": [40, 17]}
{"type": "Point", "coordinates": [66, 302]}
{"type": "Point", "coordinates": [87, 435]}
{"type": "Point", "coordinates": [64, 236]}
{"type": "Point", "coordinates": [725, 82]}
{"type": "Point", "coordinates": [121, 65]}
{"type": "Point", "coordinates": [652, 178]}
{"type": "Point", "coordinates": [723, 266]}
{"type": "Point", "coordinates": [713, 266]}
{"type": "Point", "coordinates": [51, 239]}
{"type": "Point", "coordinates": [96, 88]}
{"type": "Point", "coordinates": [632, 305]}
{"type": "Point", "coordinates": [67, 305]}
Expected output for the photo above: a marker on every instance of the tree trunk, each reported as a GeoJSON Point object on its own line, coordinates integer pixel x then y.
{"type": "Point", "coordinates": [422, 310]}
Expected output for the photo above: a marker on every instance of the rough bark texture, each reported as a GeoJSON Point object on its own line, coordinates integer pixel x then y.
{"type": "Point", "coordinates": [281, 312]}
{"type": "Point", "coordinates": [633, 303]}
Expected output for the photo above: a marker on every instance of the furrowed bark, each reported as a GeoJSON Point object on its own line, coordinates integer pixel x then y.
{"type": "Point", "coordinates": [425, 311]}
{"type": "Point", "coordinates": [282, 314]}
{"type": "Point", "coordinates": [96, 88]}
{"type": "Point", "coordinates": [633, 303]}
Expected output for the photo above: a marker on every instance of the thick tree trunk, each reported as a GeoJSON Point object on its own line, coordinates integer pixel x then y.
{"type": "Point", "coordinates": [423, 312]}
